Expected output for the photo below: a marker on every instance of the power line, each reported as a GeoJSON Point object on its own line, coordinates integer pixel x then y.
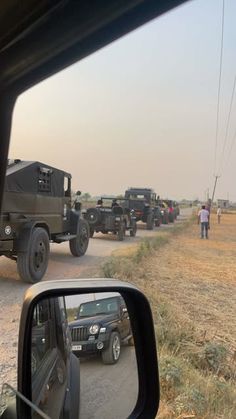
{"type": "Point", "coordinates": [231, 148]}
{"type": "Point", "coordinates": [227, 125]}
{"type": "Point", "coordinates": [219, 83]}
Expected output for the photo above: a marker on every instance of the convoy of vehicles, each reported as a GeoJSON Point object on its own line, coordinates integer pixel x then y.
{"type": "Point", "coordinates": [38, 209]}
{"type": "Point", "coordinates": [101, 327]}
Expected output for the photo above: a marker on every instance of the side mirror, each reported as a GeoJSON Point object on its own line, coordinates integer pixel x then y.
{"type": "Point", "coordinates": [64, 355]}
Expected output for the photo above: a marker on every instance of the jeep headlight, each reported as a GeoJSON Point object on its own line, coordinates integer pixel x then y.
{"type": "Point", "coordinates": [93, 330]}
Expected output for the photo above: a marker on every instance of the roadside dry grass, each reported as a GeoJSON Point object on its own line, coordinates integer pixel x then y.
{"type": "Point", "coordinates": [191, 285]}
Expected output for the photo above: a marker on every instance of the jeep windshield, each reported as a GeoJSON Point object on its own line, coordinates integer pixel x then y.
{"type": "Point", "coordinates": [94, 308]}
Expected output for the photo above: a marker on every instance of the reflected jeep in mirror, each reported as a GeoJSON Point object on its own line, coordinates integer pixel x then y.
{"type": "Point", "coordinates": [37, 210]}
{"type": "Point", "coordinates": [55, 383]}
{"type": "Point", "coordinates": [101, 327]}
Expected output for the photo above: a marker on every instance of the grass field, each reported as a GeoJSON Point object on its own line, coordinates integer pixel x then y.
{"type": "Point", "coordinates": [191, 285]}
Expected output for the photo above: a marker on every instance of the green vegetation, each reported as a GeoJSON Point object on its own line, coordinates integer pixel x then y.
{"type": "Point", "coordinates": [197, 377]}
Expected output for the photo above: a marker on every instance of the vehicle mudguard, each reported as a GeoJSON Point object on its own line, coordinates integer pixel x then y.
{"type": "Point", "coordinates": [22, 242]}
{"type": "Point", "coordinates": [72, 399]}
{"type": "Point", "coordinates": [74, 221]}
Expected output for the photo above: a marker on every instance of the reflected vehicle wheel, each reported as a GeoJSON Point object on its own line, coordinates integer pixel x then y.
{"type": "Point", "coordinates": [111, 355]}
{"type": "Point", "coordinates": [79, 244]}
{"type": "Point", "coordinates": [33, 263]}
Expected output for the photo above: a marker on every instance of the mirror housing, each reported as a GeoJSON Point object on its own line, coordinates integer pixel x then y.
{"type": "Point", "coordinates": [143, 334]}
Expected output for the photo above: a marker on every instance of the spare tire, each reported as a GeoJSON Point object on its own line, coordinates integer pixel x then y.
{"type": "Point", "coordinates": [93, 216]}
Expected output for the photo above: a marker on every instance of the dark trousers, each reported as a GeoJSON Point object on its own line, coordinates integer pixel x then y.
{"type": "Point", "coordinates": [204, 229]}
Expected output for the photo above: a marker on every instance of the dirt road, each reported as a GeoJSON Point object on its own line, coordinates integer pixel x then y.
{"type": "Point", "coordinates": [61, 265]}
{"type": "Point", "coordinates": [104, 388]}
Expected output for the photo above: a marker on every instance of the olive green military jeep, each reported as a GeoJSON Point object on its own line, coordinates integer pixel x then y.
{"type": "Point", "coordinates": [37, 210]}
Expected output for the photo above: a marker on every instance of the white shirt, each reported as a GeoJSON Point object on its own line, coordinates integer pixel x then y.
{"type": "Point", "coordinates": [204, 215]}
{"type": "Point", "coordinates": [219, 211]}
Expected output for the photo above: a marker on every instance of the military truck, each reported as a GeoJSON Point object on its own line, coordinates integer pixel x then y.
{"type": "Point", "coordinates": [38, 209]}
{"type": "Point", "coordinates": [144, 202]}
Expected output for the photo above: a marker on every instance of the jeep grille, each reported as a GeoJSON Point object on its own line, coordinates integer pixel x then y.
{"type": "Point", "coordinates": [79, 333]}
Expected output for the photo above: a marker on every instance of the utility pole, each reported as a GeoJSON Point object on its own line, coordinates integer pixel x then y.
{"type": "Point", "coordinates": [213, 194]}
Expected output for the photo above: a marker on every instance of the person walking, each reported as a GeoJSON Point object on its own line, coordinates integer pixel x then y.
{"type": "Point", "coordinates": [219, 213]}
{"type": "Point", "coordinates": [203, 218]}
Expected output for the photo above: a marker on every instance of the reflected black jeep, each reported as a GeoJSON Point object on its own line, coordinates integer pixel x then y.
{"type": "Point", "coordinates": [101, 326]}
{"type": "Point", "coordinates": [37, 209]}
{"type": "Point", "coordinates": [144, 202]}
{"type": "Point", "coordinates": [111, 216]}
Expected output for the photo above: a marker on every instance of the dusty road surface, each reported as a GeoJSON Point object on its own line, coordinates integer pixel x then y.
{"type": "Point", "coordinates": [104, 388]}
{"type": "Point", "coordinates": [61, 265]}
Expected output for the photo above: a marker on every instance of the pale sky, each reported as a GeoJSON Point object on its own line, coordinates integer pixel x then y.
{"type": "Point", "coordinates": [140, 112]}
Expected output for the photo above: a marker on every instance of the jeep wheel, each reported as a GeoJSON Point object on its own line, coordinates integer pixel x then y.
{"type": "Point", "coordinates": [79, 245]}
{"type": "Point", "coordinates": [121, 232]}
{"type": "Point", "coordinates": [157, 222]}
{"type": "Point", "coordinates": [111, 355]}
{"type": "Point", "coordinates": [33, 263]}
{"type": "Point", "coordinates": [150, 222]}
{"type": "Point", "coordinates": [133, 230]}
{"type": "Point", "coordinates": [93, 216]}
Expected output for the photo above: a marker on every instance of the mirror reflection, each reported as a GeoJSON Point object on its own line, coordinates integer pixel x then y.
{"type": "Point", "coordinates": [83, 359]}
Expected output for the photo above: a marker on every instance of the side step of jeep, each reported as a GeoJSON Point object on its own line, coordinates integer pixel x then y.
{"type": "Point", "coordinates": [59, 238]}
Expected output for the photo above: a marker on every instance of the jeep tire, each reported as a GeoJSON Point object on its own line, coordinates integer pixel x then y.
{"type": "Point", "coordinates": [157, 222]}
{"type": "Point", "coordinates": [93, 216]}
{"type": "Point", "coordinates": [111, 355]}
{"type": "Point", "coordinates": [91, 232]}
{"type": "Point", "coordinates": [121, 232]}
{"type": "Point", "coordinates": [33, 263]}
{"type": "Point", "coordinates": [133, 230]}
{"type": "Point", "coordinates": [79, 244]}
{"type": "Point", "coordinates": [150, 222]}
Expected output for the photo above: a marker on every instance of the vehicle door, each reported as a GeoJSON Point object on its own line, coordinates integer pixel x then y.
{"type": "Point", "coordinates": [48, 366]}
